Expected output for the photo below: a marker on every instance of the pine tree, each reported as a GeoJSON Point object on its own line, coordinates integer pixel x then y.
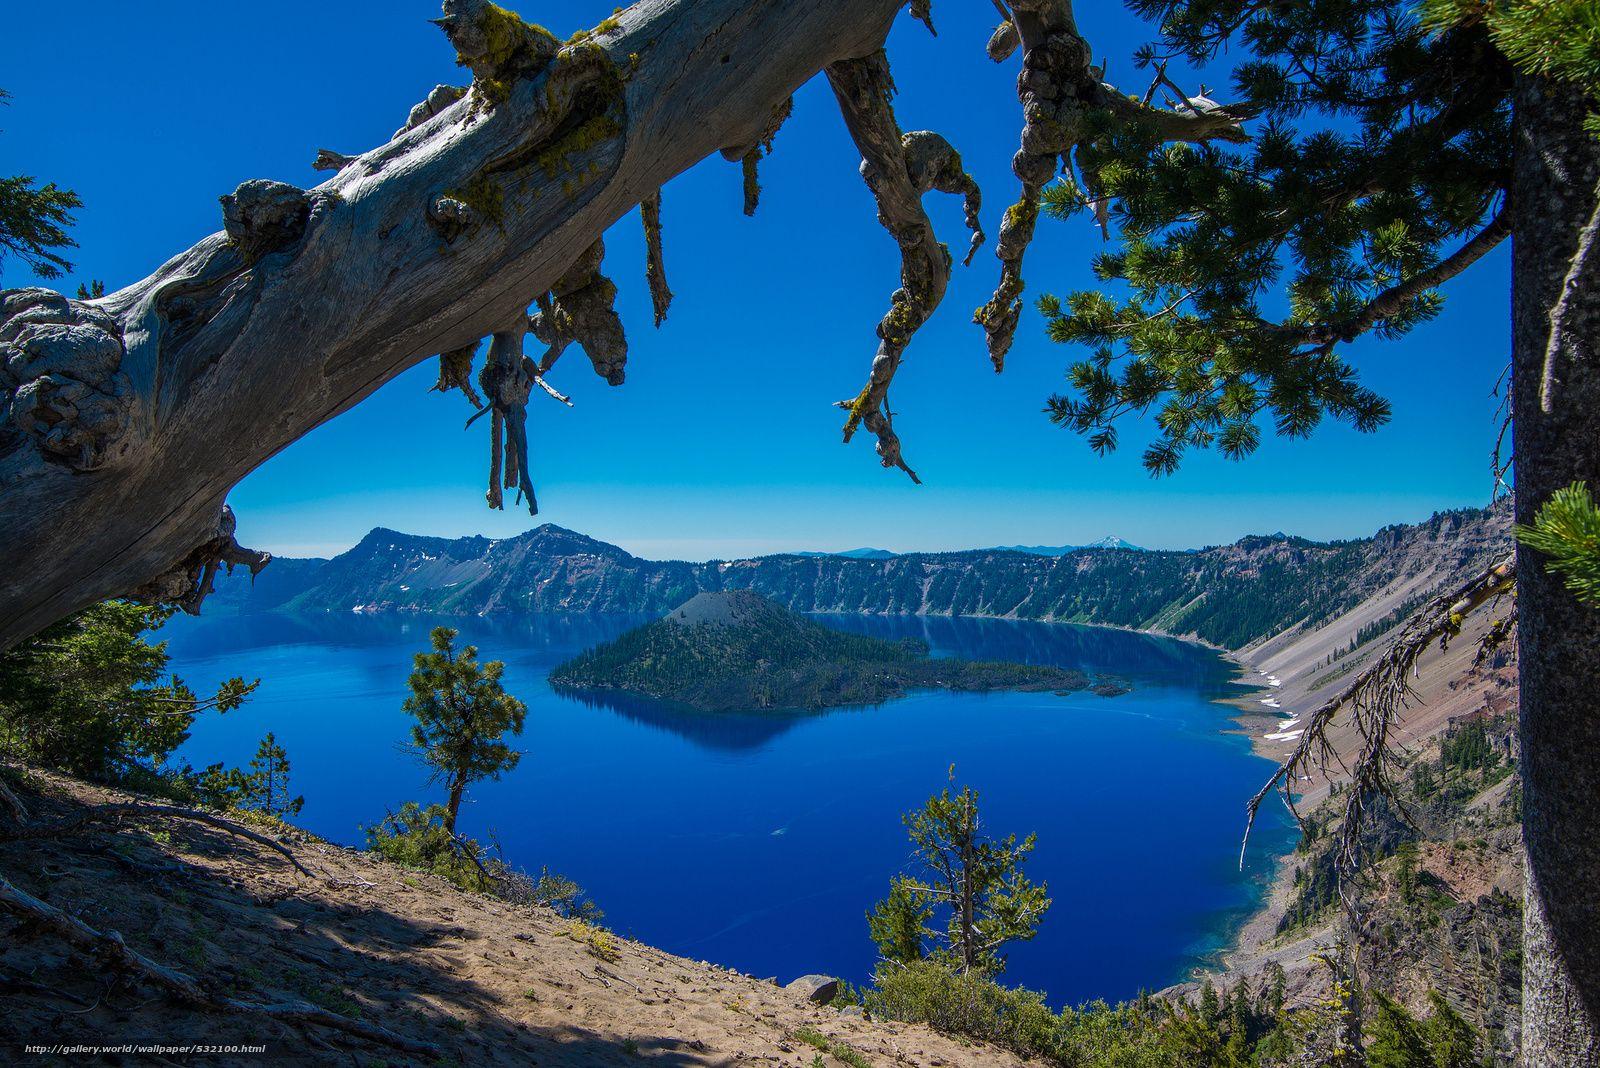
{"type": "Point", "coordinates": [462, 714]}
{"type": "Point", "coordinates": [1239, 1011]}
{"type": "Point", "coordinates": [1381, 144]}
{"type": "Point", "coordinates": [1274, 990]}
{"type": "Point", "coordinates": [1452, 1041]}
{"type": "Point", "coordinates": [1210, 1003]}
{"type": "Point", "coordinates": [975, 881]}
{"type": "Point", "coordinates": [269, 780]}
{"type": "Point", "coordinates": [91, 696]}
{"type": "Point", "coordinates": [1384, 158]}
{"type": "Point", "coordinates": [1393, 1040]}
{"type": "Point", "coordinates": [1422, 779]}
{"type": "Point", "coordinates": [1406, 873]}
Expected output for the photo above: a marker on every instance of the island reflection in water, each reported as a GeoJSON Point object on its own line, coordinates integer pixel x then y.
{"type": "Point", "coordinates": [760, 840]}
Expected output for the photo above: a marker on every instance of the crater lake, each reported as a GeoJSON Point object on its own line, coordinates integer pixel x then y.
{"type": "Point", "coordinates": [759, 841]}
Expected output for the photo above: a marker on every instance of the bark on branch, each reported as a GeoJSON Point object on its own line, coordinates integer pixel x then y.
{"type": "Point", "coordinates": [1059, 88]}
{"type": "Point", "coordinates": [125, 420]}
{"type": "Point", "coordinates": [899, 169]}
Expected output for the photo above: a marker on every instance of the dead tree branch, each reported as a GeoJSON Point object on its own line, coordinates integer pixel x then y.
{"type": "Point", "coordinates": [1059, 89]}
{"type": "Point", "coordinates": [655, 268]}
{"type": "Point", "coordinates": [89, 818]}
{"type": "Point", "coordinates": [125, 420]}
{"type": "Point", "coordinates": [899, 169]}
{"type": "Point", "coordinates": [455, 372]}
{"type": "Point", "coordinates": [750, 156]}
{"type": "Point", "coordinates": [1374, 700]}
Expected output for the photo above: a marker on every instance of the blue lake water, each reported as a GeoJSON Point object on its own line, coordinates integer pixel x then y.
{"type": "Point", "coordinates": [759, 841]}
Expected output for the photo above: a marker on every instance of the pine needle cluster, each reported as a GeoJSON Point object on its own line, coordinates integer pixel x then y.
{"type": "Point", "coordinates": [1239, 275]}
{"type": "Point", "coordinates": [1567, 530]}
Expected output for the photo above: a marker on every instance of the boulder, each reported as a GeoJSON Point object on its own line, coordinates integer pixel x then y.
{"type": "Point", "coordinates": [818, 988]}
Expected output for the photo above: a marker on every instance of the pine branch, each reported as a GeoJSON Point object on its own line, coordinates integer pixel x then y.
{"type": "Point", "coordinates": [1566, 529]}
{"type": "Point", "coordinates": [1394, 299]}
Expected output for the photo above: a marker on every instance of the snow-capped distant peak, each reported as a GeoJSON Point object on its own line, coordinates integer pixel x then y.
{"type": "Point", "coordinates": [1111, 541]}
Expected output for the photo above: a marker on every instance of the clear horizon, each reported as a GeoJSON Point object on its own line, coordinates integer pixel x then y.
{"type": "Point", "coordinates": [1087, 543]}
{"type": "Point", "coordinates": [724, 442]}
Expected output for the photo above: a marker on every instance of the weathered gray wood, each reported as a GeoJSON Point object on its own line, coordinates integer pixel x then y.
{"type": "Point", "coordinates": [114, 473]}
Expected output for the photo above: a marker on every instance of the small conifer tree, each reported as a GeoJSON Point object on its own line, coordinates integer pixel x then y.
{"type": "Point", "coordinates": [269, 780]}
{"type": "Point", "coordinates": [975, 881]}
{"type": "Point", "coordinates": [1393, 1040]}
{"type": "Point", "coordinates": [463, 714]}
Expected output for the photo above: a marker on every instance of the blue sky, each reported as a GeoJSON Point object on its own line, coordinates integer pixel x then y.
{"type": "Point", "coordinates": [724, 441]}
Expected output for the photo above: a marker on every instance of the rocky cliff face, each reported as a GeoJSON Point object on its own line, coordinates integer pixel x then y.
{"type": "Point", "coordinates": [1229, 595]}
{"type": "Point", "coordinates": [548, 569]}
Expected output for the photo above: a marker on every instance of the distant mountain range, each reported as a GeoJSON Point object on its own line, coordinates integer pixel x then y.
{"type": "Point", "coordinates": [1110, 541]}
{"type": "Point", "coordinates": [850, 554]}
{"type": "Point", "coordinates": [1228, 595]}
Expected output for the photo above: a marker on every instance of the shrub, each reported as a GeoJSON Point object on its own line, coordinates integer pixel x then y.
{"type": "Point", "coordinates": [930, 992]}
{"type": "Point", "coordinates": [597, 940]}
{"type": "Point", "coordinates": [419, 837]}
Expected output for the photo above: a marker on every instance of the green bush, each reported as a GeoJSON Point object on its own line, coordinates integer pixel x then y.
{"type": "Point", "coordinates": [929, 992]}
{"type": "Point", "coordinates": [1249, 1026]}
{"type": "Point", "coordinates": [420, 838]}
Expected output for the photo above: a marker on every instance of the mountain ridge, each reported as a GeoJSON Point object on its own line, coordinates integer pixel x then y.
{"type": "Point", "coordinates": [1228, 595]}
{"type": "Point", "coordinates": [866, 552]}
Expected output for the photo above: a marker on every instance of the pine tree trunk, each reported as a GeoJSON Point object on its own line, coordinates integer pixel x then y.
{"type": "Point", "coordinates": [457, 785]}
{"type": "Point", "coordinates": [1557, 437]}
{"type": "Point", "coordinates": [968, 956]}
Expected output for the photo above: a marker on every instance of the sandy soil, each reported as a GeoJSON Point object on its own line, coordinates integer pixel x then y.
{"type": "Point", "coordinates": [486, 982]}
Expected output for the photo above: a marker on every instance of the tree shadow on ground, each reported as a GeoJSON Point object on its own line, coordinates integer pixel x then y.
{"type": "Point", "coordinates": [236, 918]}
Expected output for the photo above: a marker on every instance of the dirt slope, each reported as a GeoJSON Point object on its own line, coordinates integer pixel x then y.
{"type": "Point", "coordinates": [1299, 664]}
{"type": "Point", "coordinates": [486, 982]}
{"type": "Point", "coordinates": [1474, 860]}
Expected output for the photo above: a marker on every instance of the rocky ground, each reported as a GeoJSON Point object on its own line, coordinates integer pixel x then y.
{"type": "Point", "coordinates": [465, 979]}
